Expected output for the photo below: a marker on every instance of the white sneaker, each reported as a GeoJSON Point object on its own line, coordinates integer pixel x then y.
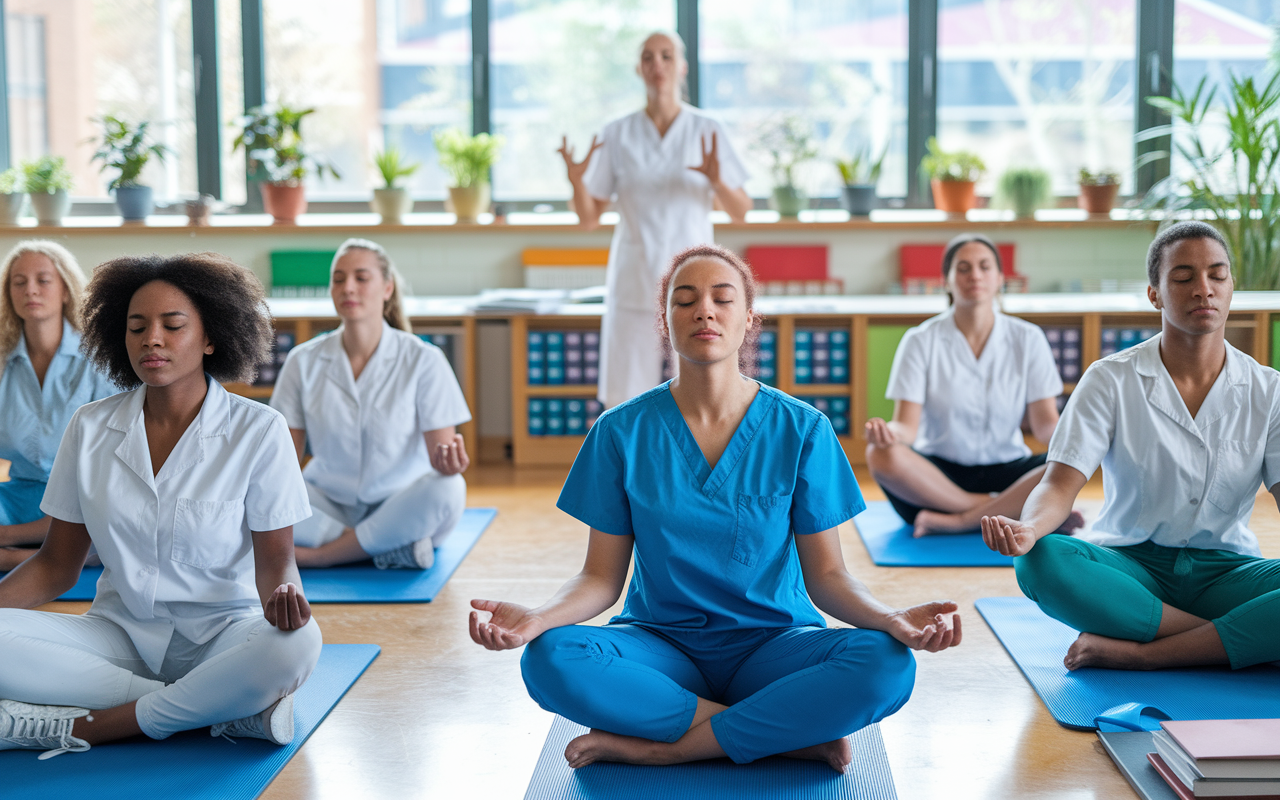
{"type": "Point", "coordinates": [30, 727]}
{"type": "Point", "coordinates": [415, 555]}
{"type": "Point", "coordinates": [275, 724]}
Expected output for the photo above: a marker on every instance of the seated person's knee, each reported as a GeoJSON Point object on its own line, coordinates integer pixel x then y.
{"type": "Point", "coordinates": [288, 657]}
{"type": "Point", "coordinates": [1044, 568]}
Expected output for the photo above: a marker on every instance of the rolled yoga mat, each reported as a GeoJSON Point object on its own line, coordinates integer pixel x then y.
{"type": "Point", "coordinates": [363, 582]}
{"type": "Point", "coordinates": [192, 765]}
{"type": "Point", "coordinates": [1038, 643]}
{"type": "Point", "coordinates": [868, 778]}
{"type": "Point", "coordinates": [890, 544]}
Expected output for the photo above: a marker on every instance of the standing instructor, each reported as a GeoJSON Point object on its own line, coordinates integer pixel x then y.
{"type": "Point", "coordinates": [665, 166]}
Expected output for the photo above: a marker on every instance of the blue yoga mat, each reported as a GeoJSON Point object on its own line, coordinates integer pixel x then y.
{"type": "Point", "coordinates": [868, 778]}
{"type": "Point", "coordinates": [363, 582]}
{"type": "Point", "coordinates": [1037, 643]}
{"type": "Point", "coordinates": [191, 765]}
{"type": "Point", "coordinates": [890, 544]}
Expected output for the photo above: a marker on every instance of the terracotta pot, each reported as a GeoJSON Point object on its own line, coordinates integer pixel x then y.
{"type": "Point", "coordinates": [392, 204]}
{"type": "Point", "coordinates": [953, 197]}
{"type": "Point", "coordinates": [284, 202]}
{"type": "Point", "coordinates": [469, 202]}
{"type": "Point", "coordinates": [1098, 198]}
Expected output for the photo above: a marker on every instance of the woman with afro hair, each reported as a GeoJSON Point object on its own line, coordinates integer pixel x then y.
{"type": "Point", "coordinates": [190, 495]}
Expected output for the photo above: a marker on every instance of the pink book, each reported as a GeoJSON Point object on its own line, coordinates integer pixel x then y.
{"type": "Point", "coordinates": [1227, 738]}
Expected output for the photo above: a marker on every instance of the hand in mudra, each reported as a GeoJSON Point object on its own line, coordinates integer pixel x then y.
{"type": "Point", "coordinates": [929, 626]}
{"type": "Point", "coordinates": [576, 169]}
{"type": "Point", "coordinates": [509, 625]}
{"type": "Point", "coordinates": [710, 165]}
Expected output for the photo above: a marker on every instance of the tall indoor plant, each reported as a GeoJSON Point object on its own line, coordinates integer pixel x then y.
{"type": "Point", "coordinates": [952, 176]}
{"type": "Point", "coordinates": [1232, 170]}
{"type": "Point", "coordinates": [788, 143]}
{"type": "Point", "coordinates": [467, 160]}
{"type": "Point", "coordinates": [49, 183]}
{"type": "Point", "coordinates": [392, 201]}
{"type": "Point", "coordinates": [272, 136]}
{"type": "Point", "coordinates": [126, 149]}
{"type": "Point", "coordinates": [860, 175]}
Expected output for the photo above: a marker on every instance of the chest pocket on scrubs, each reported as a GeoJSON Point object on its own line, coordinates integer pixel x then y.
{"type": "Point", "coordinates": [760, 519]}
{"type": "Point", "coordinates": [1239, 464]}
{"type": "Point", "coordinates": [206, 533]}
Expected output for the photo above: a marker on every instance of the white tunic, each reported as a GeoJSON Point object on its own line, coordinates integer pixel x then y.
{"type": "Point", "coordinates": [366, 435]}
{"type": "Point", "coordinates": [176, 547]}
{"type": "Point", "coordinates": [1174, 480]}
{"type": "Point", "coordinates": [972, 408]}
{"type": "Point", "coordinates": [664, 207]}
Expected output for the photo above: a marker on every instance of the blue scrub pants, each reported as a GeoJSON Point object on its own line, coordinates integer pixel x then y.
{"type": "Point", "coordinates": [786, 688]}
{"type": "Point", "coordinates": [20, 501]}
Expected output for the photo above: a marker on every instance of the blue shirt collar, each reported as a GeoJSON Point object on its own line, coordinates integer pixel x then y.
{"type": "Point", "coordinates": [69, 346]}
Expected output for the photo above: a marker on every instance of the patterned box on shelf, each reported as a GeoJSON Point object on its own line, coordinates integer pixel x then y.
{"type": "Point", "coordinates": [571, 416]}
{"type": "Point", "coordinates": [560, 357]}
{"type": "Point", "coordinates": [1116, 339]}
{"type": "Point", "coordinates": [835, 409]}
{"type": "Point", "coordinates": [445, 342]}
{"type": "Point", "coordinates": [821, 355]}
{"type": "Point", "coordinates": [280, 347]}
{"type": "Point", "coordinates": [1065, 344]}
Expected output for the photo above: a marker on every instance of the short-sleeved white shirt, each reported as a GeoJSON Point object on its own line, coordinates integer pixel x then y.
{"type": "Point", "coordinates": [176, 547]}
{"type": "Point", "coordinates": [972, 408]}
{"type": "Point", "coordinates": [1168, 478]}
{"type": "Point", "coordinates": [366, 435]}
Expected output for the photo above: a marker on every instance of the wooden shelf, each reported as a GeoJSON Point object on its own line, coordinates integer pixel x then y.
{"type": "Point", "coordinates": [806, 389]}
{"type": "Point", "coordinates": [561, 390]}
{"type": "Point", "coordinates": [245, 390]}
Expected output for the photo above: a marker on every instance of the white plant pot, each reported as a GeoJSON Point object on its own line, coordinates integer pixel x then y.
{"type": "Point", "coordinates": [469, 202]}
{"type": "Point", "coordinates": [11, 206]}
{"type": "Point", "coordinates": [392, 204]}
{"type": "Point", "coordinates": [51, 207]}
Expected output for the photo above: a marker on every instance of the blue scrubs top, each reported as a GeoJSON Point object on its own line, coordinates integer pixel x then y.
{"type": "Point", "coordinates": [713, 547]}
{"type": "Point", "coordinates": [33, 417]}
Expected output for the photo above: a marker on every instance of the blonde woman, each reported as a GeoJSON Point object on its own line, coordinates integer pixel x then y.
{"type": "Point", "coordinates": [43, 380]}
{"type": "Point", "coordinates": [379, 407]}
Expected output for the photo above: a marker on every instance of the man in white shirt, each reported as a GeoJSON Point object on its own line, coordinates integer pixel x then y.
{"type": "Point", "coordinates": [1185, 428]}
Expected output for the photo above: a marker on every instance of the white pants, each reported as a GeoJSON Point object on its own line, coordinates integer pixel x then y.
{"type": "Point", "coordinates": [630, 355]}
{"type": "Point", "coordinates": [90, 662]}
{"type": "Point", "coordinates": [430, 507]}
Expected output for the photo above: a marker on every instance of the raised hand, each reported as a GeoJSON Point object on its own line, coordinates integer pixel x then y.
{"type": "Point", "coordinates": [1008, 536]}
{"type": "Point", "coordinates": [929, 626]}
{"type": "Point", "coordinates": [287, 608]}
{"type": "Point", "coordinates": [576, 169]}
{"type": "Point", "coordinates": [450, 458]}
{"type": "Point", "coordinates": [710, 165]}
{"type": "Point", "coordinates": [879, 434]}
{"type": "Point", "coordinates": [509, 625]}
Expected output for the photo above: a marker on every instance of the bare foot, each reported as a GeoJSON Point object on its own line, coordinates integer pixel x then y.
{"type": "Point", "coordinates": [837, 754]}
{"type": "Point", "coordinates": [929, 522]}
{"type": "Point", "coordinates": [1092, 650]}
{"type": "Point", "coordinates": [1074, 522]}
{"type": "Point", "coordinates": [601, 745]}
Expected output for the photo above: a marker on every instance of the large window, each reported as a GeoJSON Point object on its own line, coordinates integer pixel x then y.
{"type": "Point", "coordinates": [838, 66]}
{"type": "Point", "coordinates": [70, 63]}
{"type": "Point", "coordinates": [562, 68]}
{"type": "Point", "coordinates": [1040, 84]}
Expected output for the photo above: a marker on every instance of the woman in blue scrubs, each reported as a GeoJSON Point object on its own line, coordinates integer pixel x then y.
{"type": "Point", "coordinates": [43, 380]}
{"type": "Point", "coordinates": [729, 494]}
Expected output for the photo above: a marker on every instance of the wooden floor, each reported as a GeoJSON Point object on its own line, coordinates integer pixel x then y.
{"type": "Point", "coordinates": [437, 716]}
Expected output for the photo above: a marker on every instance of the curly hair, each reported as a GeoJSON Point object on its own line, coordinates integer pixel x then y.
{"type": "Point", "coordinates": [72, 278]}
{"type": "Point", "coordinates": [228, 297]}
{"type": "Point", "coordinates": [749, 288]}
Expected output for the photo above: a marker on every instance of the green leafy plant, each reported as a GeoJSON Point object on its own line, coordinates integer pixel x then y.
{"type": "Point", "coordinates": [1024, 189]}
{"type": "Point", "coordinates": [46, 175]}
{"type": "Point", "coordinates": [11, 181]}
{"type": "Point", "coordinates": [861, 169]}
{"type": "Point", "coordinates": [272, 136]}
{"type": "Point", "coordinates": [958, 165]}
{"type": "Point", "coordinates": [1103, 177]}
{"type": "Point", "coordinates": [1232, 171]}
{"type": "Point", "coordinates": [467, 159]}
{"type": "Point", "coordinates": [125, 148]}
{"type": "Point", "coordinates": [392, 166]}
{"type": "Point", "coordinates": [789, 143]}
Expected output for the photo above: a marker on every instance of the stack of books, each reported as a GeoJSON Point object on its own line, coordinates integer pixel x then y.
{"type": "Point", "coordinates": [1221, 758]}
{"type": "Point", "coordinates": [821, 355]}
{"type": "Point", "coordinates": [560, 357]}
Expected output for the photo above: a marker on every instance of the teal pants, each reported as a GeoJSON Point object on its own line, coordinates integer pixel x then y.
{"type": "Point", "coordinates": [1118, 591]}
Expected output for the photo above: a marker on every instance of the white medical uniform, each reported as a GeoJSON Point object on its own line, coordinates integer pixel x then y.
{"type": "Point", "coordinates": [369, 468]}
{"type": "Point", "coordinates": [1172, 479]}
{"type": "Point", "coordinates": [177, 602]}
{"type": "Point", "coordinates": [972, 408]}
{"type": "Point", "coordinates": [664, 208]}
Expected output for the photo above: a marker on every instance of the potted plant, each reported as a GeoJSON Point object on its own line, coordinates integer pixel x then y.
{"type": "Point", "coordinates": [125, 148]}
{"type": "Point", "coordinates": [952, 177]}
{"type": "Point", "coordinates": [788, 143]}
{"type": "Point", "coordinates": [1232, 172]}
{"type": "Point", "coordinates": [1024, 189]}
{"type": "Point", "coordinates": [13, 196]}
{"type": "Point", "coordinates": [48, 181]}
{"type": "Point", "coordinates": [1098, 191]}
{"type": "Point", "coordinates": [860, 175]}
{"type": "Point", "coordinates": [392, 201]}
{"type": "Point", "coordinates": [468, 160]}
{"type": "Point", "coordinates": [272, 136]}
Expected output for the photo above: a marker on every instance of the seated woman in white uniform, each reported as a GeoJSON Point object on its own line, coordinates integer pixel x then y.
{"type": "Point", "coordinates": [954, 451]}
{"type": "Point", "coordinates": [379, 407]}
{"type": "Point", "coordinates": [189, 495]}
{"type": "Point", "coordinates": [43, 379]}
{"type": "Point", "coordinates": [1185, 428]}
